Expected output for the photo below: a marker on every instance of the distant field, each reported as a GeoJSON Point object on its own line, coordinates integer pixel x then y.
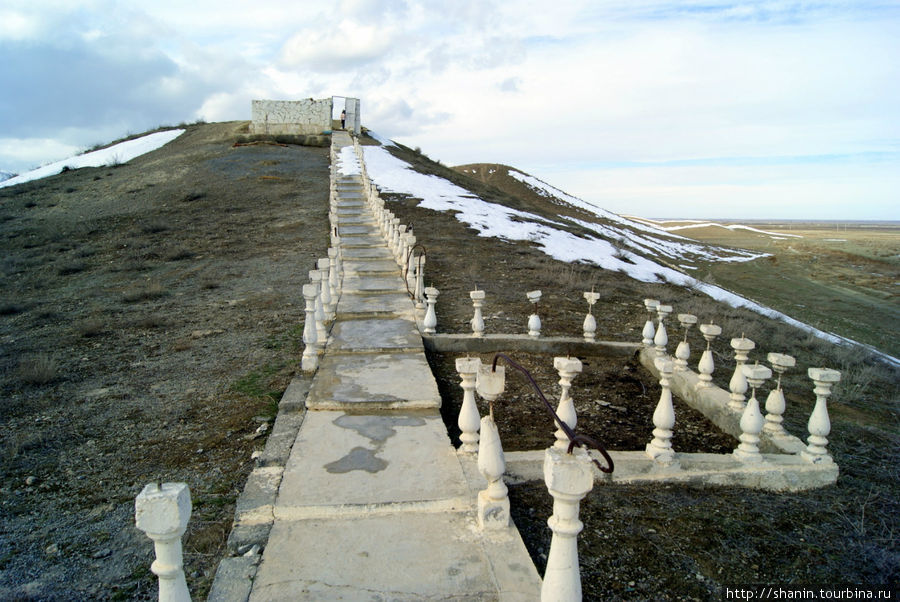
{"type": "Point", "coordinates": [842, 278]}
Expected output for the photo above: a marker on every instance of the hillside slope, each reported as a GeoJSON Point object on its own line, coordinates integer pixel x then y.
{"type": "Point", "coordinates": [150, 319]}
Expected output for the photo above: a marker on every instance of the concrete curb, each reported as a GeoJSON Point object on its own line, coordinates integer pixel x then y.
{"type": "Point", "coordinates": [253, 513]}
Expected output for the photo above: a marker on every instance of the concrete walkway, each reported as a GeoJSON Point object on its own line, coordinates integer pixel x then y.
{"type": "Point", "coordinates": [374, 502]}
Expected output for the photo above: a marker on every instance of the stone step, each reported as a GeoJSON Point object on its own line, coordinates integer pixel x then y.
{"type": "Point", "coordinates": [366, 252]}
{"type": "Point", "coordinates": [374, 334]}
{"type": "Point", "coordinates": [372, 267]}
{"type": "Point", "coordinates": [359, 230]}
{"type": "Point", "coordinates": [356, 219]}
{"type": "Point", "coordinates": [376, 381]}
{"type": "Point", "coordinates": [368, 460]}
{"type": "Point", "coordinates": [364, 242]}
{"type": "Point", "coordinates": [373, 284]}
{"type": "Point", "coordinates": [371, 305]}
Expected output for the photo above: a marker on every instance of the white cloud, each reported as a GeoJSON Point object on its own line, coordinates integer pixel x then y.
{"type": "Point", "coordinates": [551, 91]}
{"type": "Point", "coordinates": [349, 44]}
{"type": "Point", "coordinates": [15, 25]}
{"type": "Point", "coordinates": [21, 154]}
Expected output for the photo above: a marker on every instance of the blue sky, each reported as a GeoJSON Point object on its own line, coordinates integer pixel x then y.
{"type": "Point", "coordinates": [713, 109]}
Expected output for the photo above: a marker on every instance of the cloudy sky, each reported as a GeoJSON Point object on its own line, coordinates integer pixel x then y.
{"type": "Point", "coordinates": [709, 108]}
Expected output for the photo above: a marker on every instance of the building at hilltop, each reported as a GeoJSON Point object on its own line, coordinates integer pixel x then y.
{"type": "Point", "coordinates": [301, 117]}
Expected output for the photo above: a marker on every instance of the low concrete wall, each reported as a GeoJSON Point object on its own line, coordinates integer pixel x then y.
{"type": "Point", "coordinates": [713, 403]}
{"type": "Point", "coordinates": [299, 117]}
{"type": "Point", "coordinates": [491, 343]}
{"type": "Point", "coordinates": [777, 472]}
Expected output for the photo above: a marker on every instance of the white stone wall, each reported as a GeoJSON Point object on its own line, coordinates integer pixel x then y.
{"type": "Point", "coordinates": [308, 116]}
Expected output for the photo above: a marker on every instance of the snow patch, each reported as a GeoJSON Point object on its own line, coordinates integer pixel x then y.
{"type": "Point", "coordinates": [490, 219]}
{"type": "Point", "coordinates": [122, 152]}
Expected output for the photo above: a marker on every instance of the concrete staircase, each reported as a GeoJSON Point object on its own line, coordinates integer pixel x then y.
{"type": "Point", "coordinates": [374, 502]}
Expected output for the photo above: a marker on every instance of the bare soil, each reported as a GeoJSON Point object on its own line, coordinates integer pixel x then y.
{"type": "Point", "coordinates": [670, 542]}
{"type": "Point", "coordinates": [150, 321]}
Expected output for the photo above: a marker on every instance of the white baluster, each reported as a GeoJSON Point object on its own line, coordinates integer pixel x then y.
{"type": "Point", "coordinates": [310, 360]}
{"type": "Point", "coordinates": [567, 368]}
{"type": "Point", "coordinates": [683, 351]}
{"type": "Point", "coordinates": [477, 297]}
{"type": "Point", "coordinates": [534, 321]}
{"type": "Point", "coordinates": [707, 365]}
{"type": "Point", "coordinates": [649, 331]}
{"type": "Point", "coordinates": [469, 418]}
{"type": "Point", "coordinates": [493, 503]}
{"type": "Point", "coordinates": [410, 261]}
{"type": "Point", "coordinates": [420, 281]}
{"type": "Point", "coordinates": [819, 425]}
{"type": "Point", "coordinates": [162, 512]}
{"type": "Point", "coordinates": [333, 280]}
{"type": "Point", "coordinates": [430, 321]}
{"type": "Point", "coordinates": [590, 323]}
{"type": "Point", "coordinates": [660, 448]}
{"type": "Point", "coordinates": [315, 277]}
{"type": "Point", "coordinates": [775, 404]}
{"type": "Point", "coordinates": [661, 339]}
{"type": "Point", "coordinates": [752, 418]}
{"type": "Point", "coordinates": [569, 478]}
{"type": "Point", "coordinates": [327, 304]}
{"type": "Point", "coordinates": [398, 243]}
{"type": "Point", "coordinates": [738, 383]}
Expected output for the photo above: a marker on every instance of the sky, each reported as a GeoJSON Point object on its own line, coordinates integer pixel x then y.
{"type": "Point", "coordinates": [696, 109]}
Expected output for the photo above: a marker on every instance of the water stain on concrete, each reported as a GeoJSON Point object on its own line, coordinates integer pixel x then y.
{"type": "Point", "coordinates": [359, 458]}
{"type": "Point", "coordinates": [377, 428]}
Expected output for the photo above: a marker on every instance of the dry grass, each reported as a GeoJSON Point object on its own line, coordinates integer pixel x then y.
{"type": "Point", "coordinates": [39, 369]}
{"type": "Point", "coordinates": [152, 289]}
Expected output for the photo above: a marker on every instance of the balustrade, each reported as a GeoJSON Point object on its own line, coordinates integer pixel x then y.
{"type": "Point", "coordinates": [162, 511]}
{"type": "Point", "coordinates": [819, 424]}
{"type": "Point", "coordinates": [775, 404]}
{"type": "Point", "coordinates": [661, 339]}
{"type": "Point", "coordinates": [534, 321]}
{"type": "Point", "coordinates": [589, 326]}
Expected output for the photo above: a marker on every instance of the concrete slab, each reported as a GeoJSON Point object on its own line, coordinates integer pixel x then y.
{"type": "Point", "coordinates": [408, 557]}
{"type": "Point", "coordinates": [373, 284]}
{"type": "Point", "coordinates": [353, 459]}
{"type": "Point", "coordinates": [343, 210]}
{"type": "Point", "coordinates": [376, 304]}
{"type": "Point", "coordinates": [234, 579]}
{"type": "Point", "coordinates": [351, 220]}
{"type": "Point", "coordinates": [372, 267]}
{"type": "Point", "coordinates": [363, 242]}
{"type": "Point", "coordinates": [369, 252]}
{"type": "Point", "coordinates": [375, 334]}
{"type": "Point", "coordinates": [359, 230]}
{"type": "Point", "coordinates": [379, 380]}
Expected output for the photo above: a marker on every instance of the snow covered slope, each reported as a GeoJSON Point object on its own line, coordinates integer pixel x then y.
{"type": "Point", "coordinates": [116, 154]}
{"type": "Point", "coordinates": [613, 242]}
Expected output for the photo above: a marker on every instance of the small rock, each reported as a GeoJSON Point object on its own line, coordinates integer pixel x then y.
{"type": "Point", "coordinates": [51, 550]}
{"type": "Point", "coordinates": [256, 455]}
{"type": "Point", "coordinates": [31, 480]}
{"type": "Point", "coordinates": [101, 553]}
{"type": "Point", "coordinates": [252, 551]}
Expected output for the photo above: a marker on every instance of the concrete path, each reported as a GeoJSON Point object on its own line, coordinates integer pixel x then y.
{"type": "Point", "coordinates": [374, 501]}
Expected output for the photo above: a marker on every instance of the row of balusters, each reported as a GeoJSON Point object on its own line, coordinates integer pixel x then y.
{"type": "Point", "coordinates": [745, 377]}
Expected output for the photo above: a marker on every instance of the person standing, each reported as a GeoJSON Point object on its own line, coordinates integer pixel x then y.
{"type": "Point", "coordinates": [343, 118]}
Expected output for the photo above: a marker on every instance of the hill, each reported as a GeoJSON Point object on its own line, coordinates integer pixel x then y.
{"type": "Point", "coordinates": [150, 322]}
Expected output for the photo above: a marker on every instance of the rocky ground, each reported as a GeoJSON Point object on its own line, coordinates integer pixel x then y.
{"type": "Point", "coordinates": [150, 320]}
